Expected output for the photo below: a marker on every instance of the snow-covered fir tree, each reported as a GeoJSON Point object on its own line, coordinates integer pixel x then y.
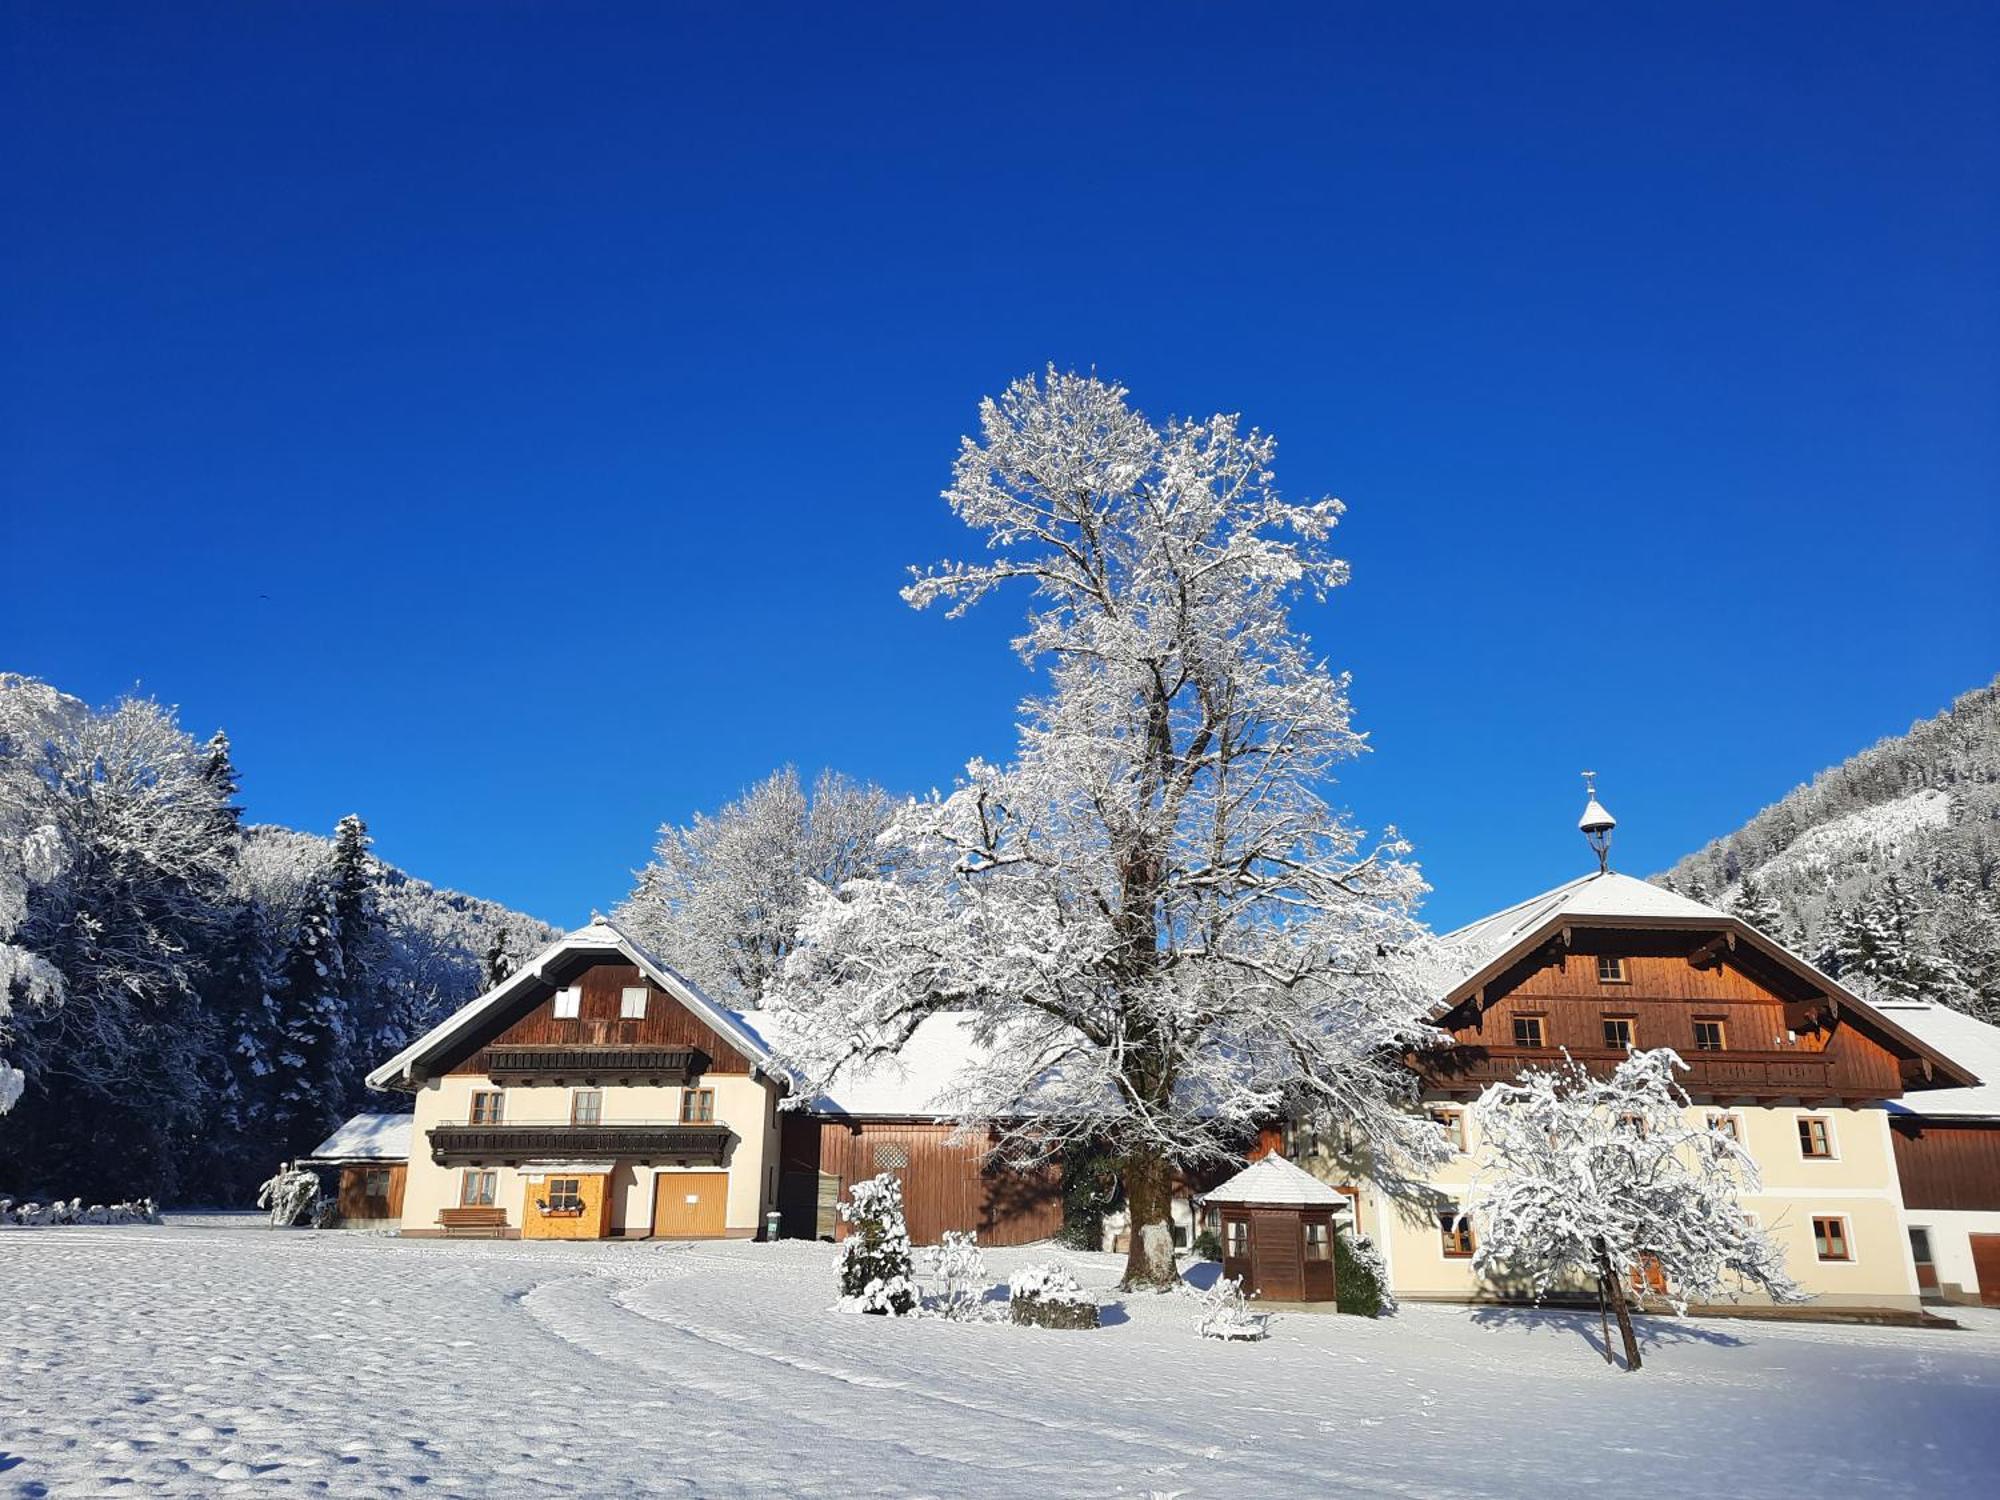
{"type": "Point", "coordinates": [1161, 931]}
{"type": "Point", "coordinates": [721, 897]}
{"type": "Point", "coordinates": [1608, 1181]}
{"type": "Point", "coordinates": [1756, 908]}
{"type": "Point", "coordinates": [877, 1274]}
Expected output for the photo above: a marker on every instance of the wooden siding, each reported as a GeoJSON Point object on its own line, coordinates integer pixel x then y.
{"type": "Point", "coordinates": [1947, 1165]}
{"type": "Point", "coordinates": [354, 1202]}
{"type": "Point", "coordinates": [1664, 994]}
{"type": "Point", "coordinates": [944, 1186]}
{"type": "Point", "coordinates": [533, 1023]}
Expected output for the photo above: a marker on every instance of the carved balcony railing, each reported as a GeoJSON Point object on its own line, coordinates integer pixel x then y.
{"type": "Point", "coordinates": [644, 1142]}
{"type": "Point", "coordinates": [1722, 1075]}
{"type": "Point", "coordinates": [655, 1065]}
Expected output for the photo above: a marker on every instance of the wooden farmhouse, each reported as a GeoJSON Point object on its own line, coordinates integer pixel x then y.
{"type": "Point", "coordinates": [1276, 1228]}
{"type": "Point", "coordinates": [1948, 1159]}
{"type": "Point", "coordinates": [597, 1093]}
{"type": "Point", "coordinates": [1792, 1064]}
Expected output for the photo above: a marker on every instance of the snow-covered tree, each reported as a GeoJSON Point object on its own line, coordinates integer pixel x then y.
{"type": "Point", "coordinates": [961, 1274]}
{"type": "Point", "coordinates": [1161, 931]}
{"type": "Point", "coordinates": [1586, 1179]}
{"type": "Point", "coordinates": [876, 1272]}
{"type": "Point", "coordinates": [1755, 907]}
{"type": "Point", "coordinates": [292, 1195]}
{"type": "Point", "coordinates": [722, 897]}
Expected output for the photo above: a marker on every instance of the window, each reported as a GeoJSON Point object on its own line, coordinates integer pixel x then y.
{"type": "Point", "coordinates": [1235, 1238]}
{"type": "Point", "coordinates": [375, 1182]}
{"type": "Point", "coordinates": [488, 1107]}
{"type": "Point", "coordinates": [565, 1196]}
{"type": "Point", "coordinates": [1709, 1036]}
{"type": "Point", "coordinates": [632, 1003]}
{"type": "Point", "coordinates": [1455, 1231]}
{"type": "Point", "coordinates": [1610, 970]}
{"type": "Point", "coordinates": [476, 1189]}
{"type": "Point", "coordinates": [1815, 1137]}
{"type": "Point", "coordinates": [698, 1108]}
{"type": "Point", "coordinates": [569, 1002]}
{"type": "Point", "coordinates": [1319, 1246]}
{"type": "Point", "coordinates": [1453, 1121]}
{"type": "Point", "coordinates": [1528, 1032]}
{"type": "Point", "coordinates": [1618, 1033]}
{"type": "Point", "coordinates": [1830, 1239]}
{"type": "Point", "coordinates": [1726, 1124]}
{"type": "Point", "coordinates": [1920, 1246]}
{"type": "Point", "coordinates": [1632, 1124]}
{"type": "Point", "coordinates": [586, 1107]}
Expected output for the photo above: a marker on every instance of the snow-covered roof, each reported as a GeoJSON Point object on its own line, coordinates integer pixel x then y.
{"type": "Point", "coordinates": [1274, 1182]}
{"type": "Point", "coordinates": [601, 935]}
{"type": "Point", "coordinates": [1477, 951]}
{"type": "Point", "coordinates": [368, 1138]}
{"type": "Point", "coordinates": [1601, 894]}
{"type": "Point", "coordinates": [1967, 1041]}
{"type": "Point", "coordinates": [911, 1083]}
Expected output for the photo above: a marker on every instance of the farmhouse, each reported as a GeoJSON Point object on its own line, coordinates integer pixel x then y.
{"type": "Point", "coordinates": [1796, 1067]}
{"type": "Point", "coordinates": [595, 1093]}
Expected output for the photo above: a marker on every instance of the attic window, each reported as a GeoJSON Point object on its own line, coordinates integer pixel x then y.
{"type": "Point", "coordinates": [569, 1002]}
{"type": "Point", "coordinates": [1610, 970]}
{"type": "Point", "coordinates": [632, 1003]}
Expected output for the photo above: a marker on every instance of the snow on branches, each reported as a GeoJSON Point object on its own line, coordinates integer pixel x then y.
{"type": "Point", "coordinates": [876, 1274]}
{"type": "Point", "coordinates": [1610, 1181]}
{"type": "Point", "coordinates": [1162, 932]}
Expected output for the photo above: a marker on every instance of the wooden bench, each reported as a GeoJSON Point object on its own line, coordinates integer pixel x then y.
{"type": "Point", "coordinates": [482, 1222]}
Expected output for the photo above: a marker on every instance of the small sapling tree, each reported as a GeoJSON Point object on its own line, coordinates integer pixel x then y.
{"type": "Point", "coordinates": [875, 1269]}
{"type": "Point", "coordinates": [1609, 1179]}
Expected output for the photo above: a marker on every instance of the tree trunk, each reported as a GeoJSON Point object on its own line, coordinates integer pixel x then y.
{"type": "Point", "coordinates": [1149, 1201]}
{"type": "Point", "coordinates": [1604, 1320]}
{"type": "Point", "coordinates": [1619, 1306]}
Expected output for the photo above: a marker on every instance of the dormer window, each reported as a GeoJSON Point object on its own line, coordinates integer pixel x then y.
{"type": "Point", "coordinates": [1610, 970]}
{"type": "Point", "coordinates": [569, 1002]}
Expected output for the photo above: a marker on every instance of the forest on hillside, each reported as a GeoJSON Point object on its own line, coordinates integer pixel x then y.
{"type": "Point", "coordinates": [1885, 869]}
{"type": "Point", "coordinates": [184, 1000]}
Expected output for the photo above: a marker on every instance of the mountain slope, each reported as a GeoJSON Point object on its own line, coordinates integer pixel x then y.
{"type": "Point", "coordinates": [1884, 869]}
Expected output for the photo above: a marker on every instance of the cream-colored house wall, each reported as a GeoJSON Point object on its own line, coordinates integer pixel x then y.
{"type": "Point", "coordinates": [746, 1105]}
{"type": "Point", "coordinates": [1858, 1184]}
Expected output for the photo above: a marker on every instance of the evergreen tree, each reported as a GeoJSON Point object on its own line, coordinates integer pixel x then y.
{"type": "Point", "coordinates": [309, 1018]}
{"type": "Point", "coordinates": [1756, 909]}
{"type": "Point", "coordinates": [498, 965]}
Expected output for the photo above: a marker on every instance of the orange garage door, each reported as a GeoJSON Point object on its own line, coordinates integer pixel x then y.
{"type": "Point", "coordinates": [689, 1205]}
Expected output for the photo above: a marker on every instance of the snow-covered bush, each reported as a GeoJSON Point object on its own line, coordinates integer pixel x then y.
{"type": "Point", "coordinates": [957, 1263]}
{"type": "Point", "coordinates": [1225, 1313]}
{"type": "Point", "coordinates": [291, 1195]}
{"type": "Point", "coordinates": [876, 1275]}
{"type": "Point", "coordinates": [1044, 1295]}
{"type": "Point", "coordinates": [71, 1211]}
{"type": "Point", "coordinates": [1361, 1276]}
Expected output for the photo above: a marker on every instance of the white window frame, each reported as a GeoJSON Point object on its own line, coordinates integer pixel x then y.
{"type": "Point", "coordinates": [569, 1002]}
{"type": "Point", "coordinates": [632, 1003]}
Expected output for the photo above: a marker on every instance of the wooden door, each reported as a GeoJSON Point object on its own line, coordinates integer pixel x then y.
{"type": "Point", "coordinates": [1986, 1267]}
{"type": "Point", "coordinates": [1277, 1256]}
{"type": "Point", "coordinates": [689, 1205]}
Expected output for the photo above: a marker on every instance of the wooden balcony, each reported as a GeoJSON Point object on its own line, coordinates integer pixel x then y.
{"type": "Point", "coordinates": [1711, 1075]}
{"type": "Point", "coordinates": [645, 1142]}
{"type": "Point", "coordinates": [534, 1064]}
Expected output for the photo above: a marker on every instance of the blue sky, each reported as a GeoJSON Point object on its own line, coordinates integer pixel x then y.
{"type": "Point", "coordinates": [513, 422]}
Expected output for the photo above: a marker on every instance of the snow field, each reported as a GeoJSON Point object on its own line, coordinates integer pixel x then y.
{"type": "Point", "coordinates": [217, 1358]}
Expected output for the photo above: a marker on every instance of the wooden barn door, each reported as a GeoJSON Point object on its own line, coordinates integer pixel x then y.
{"type": "Point", "coordinates": [1277, 1256]}
{"type": "Point", "coordinates": [689, 1205]}
{"type": "Point", "coordinates": [1986, 1267]}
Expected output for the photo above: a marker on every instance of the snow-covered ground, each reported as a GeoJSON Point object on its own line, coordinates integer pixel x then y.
{"type": "Point", "coordinates": [209, 1357]}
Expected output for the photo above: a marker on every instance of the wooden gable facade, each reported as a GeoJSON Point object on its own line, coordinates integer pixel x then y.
{"type": "Point", "coordinates": [1752, 1024]}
